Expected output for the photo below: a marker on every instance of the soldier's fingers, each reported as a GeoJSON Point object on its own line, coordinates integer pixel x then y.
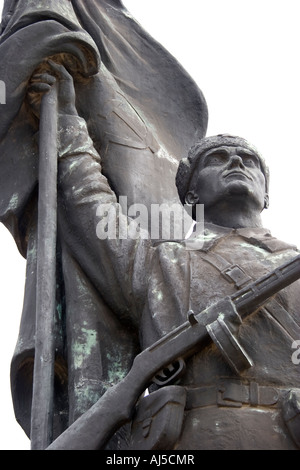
{"type": "Point", "coordinates": [39, 87]}
{"type": "Point", "coordinates": [43, 77]}
{"type": "Point", "coordinates": [60, 69]}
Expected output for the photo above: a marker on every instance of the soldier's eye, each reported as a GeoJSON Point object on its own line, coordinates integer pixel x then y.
{"type": "Point", "coordinates": [250, 161]}
{"type": "Point", "coordinates": [216, 159]}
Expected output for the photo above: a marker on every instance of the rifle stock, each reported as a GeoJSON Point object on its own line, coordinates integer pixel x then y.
{"type": "Point", "coordinates": [93, 429]}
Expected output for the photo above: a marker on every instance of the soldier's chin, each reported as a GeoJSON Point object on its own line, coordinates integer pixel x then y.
{"type": "Point", "coordinates": [238, 187]}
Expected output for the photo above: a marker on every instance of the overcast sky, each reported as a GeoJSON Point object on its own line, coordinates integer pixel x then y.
{"type": "Point", "coordinates": [244, 56]}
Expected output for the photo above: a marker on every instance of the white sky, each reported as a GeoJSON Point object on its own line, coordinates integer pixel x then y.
{"type": "Point", "coordinates": [244, 56]}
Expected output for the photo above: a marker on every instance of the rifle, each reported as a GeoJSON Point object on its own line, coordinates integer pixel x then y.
{"type": "Point", "coordinates": [163, 361]}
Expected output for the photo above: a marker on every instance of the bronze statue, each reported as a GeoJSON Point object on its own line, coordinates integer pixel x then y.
{"type": "Point", "coordinates": [153, 286]}
{"type": "Point", "coordinates": [117, 296]}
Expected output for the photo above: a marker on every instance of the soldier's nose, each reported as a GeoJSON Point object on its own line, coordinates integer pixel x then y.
{"type": "Point", "coordinates": [235, 161]}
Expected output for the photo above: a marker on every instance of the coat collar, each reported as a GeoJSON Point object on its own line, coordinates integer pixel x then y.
{"type": "Point", "coordinates": [205, 239]}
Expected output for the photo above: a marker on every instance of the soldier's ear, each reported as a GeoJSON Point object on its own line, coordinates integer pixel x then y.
{"type": "Point", "coordinates": [191, 198]}
{"type": "Point", "coordinates": [266, 201]}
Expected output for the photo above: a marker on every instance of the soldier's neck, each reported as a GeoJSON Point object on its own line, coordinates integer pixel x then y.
{"type": "Point", "coordinates": [233, 218]}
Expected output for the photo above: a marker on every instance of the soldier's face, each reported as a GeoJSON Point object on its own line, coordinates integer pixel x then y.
{"type": "Point", "coordinates": [229, 172]}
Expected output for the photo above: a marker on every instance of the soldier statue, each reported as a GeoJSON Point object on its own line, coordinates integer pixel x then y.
{"type": "Point", "coordinates": [152, 286]}
{"type": "Point", "coordinates": [100, 118]}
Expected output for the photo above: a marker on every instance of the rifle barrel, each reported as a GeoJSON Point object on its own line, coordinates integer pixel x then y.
{"type": "Point", "coordinates": [251, 297]}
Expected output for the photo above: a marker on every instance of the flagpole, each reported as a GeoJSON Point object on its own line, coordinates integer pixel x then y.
{"type": "Point", "coordinates": [43, 380]}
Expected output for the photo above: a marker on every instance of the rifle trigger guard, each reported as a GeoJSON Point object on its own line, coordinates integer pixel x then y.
{"type": "Point", "coordinates": [170, 373]}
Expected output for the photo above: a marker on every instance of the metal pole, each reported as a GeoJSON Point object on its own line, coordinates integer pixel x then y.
{"type": "Point", "coordinates": [43, 380]}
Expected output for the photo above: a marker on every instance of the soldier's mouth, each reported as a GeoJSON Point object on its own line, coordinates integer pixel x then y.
{"type": "Point", "coordinates": [237, 175]}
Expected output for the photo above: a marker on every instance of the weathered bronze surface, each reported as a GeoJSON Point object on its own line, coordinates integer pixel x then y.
{"type": "Point", "coordinates": [97, 137]}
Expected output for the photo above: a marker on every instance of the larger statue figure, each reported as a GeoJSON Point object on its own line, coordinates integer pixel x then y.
{"type": "Point", "coordinates": [122, 294]}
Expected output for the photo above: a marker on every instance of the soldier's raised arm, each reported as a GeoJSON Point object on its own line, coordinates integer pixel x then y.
{"type": "Point", "coordinates": [87, 204]}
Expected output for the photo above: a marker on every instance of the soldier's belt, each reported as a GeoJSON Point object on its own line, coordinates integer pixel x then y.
{"type": "Point", "coordinates": [234, 393]}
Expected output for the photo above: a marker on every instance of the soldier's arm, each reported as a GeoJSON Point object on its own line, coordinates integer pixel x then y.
{"type": "Point", "coordinates": [86, 204]}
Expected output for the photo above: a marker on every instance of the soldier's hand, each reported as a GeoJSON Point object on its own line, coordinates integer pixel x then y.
{"type": "Point", "coordinates": [41, 83]}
